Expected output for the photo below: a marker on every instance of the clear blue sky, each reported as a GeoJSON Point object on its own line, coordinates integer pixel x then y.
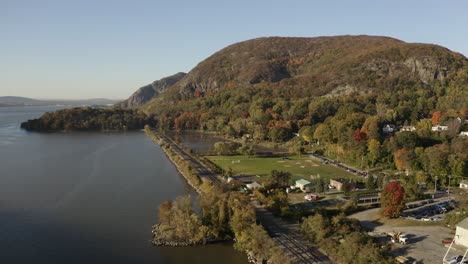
{"type": "Point", "coordinates": [92, 48]}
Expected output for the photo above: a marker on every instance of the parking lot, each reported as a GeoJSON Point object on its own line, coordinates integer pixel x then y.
{"type": "Point", "coordinates": [425, 239]}
{"type": "Point", "coordinates": [428, 210]}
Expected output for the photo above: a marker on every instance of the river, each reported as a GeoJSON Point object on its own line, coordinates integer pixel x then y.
{"type": "Point", "coordinates": [87, 197]}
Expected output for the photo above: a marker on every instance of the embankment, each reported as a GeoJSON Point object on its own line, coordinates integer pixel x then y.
{"type": "Point", "coordinates": [184, 166]}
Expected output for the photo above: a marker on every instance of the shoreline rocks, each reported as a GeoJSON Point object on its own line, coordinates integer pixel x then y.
{"type": "Point", "coordinates": [160, 239]}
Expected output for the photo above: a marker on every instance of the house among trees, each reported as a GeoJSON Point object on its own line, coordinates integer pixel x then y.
{"type": "Point", "coordinates": [253, 185]}
{"type": "Point", "coordinates": [389, 128]}
{"type": "Point", "coordinates": [304, 185]}
{"type": "Point", "coordinates": [439, 128]}
{"type": "Point", "coordinates": [463, 134]}
{"type": "Point", "coordinates": [464, 184]}
{"type": "Point", "coordinates": [343, 184]}
{"type": "Point", "coordinates": [408, 128]}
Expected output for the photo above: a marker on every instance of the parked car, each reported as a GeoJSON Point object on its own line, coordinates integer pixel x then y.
{"type": "Point", "coordinates": [311, 197]}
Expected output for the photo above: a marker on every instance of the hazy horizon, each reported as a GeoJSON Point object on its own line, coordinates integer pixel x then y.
{"type": "Point", "coordinates": [86, 49]}
{"type": "Point", "coordinates": [64, 99]}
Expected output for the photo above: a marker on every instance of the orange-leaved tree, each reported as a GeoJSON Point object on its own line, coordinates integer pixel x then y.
{"type": "Point", "coordinates": [391, 199]}
{"type": "Point", "coordinates": [436, 118]}
{"type": "Point", "coordinates": [401, 159]}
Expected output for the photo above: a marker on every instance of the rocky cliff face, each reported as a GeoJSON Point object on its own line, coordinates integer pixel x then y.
{"type": "Point", "coordinates": [318, 66]}
{"type": "Point", "coordinates": [148, 92]}
{"type": "Point", "coordinates": [426, 69]}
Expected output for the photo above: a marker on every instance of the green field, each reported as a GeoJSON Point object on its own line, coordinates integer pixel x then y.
{"type": "Point", "coordinates": [299, 166]}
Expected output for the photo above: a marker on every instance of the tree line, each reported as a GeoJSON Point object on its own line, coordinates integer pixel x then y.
{"type": "Point", "coordinates": [223, 215]}
{"type": "Point", "coordinates": [88, 118]}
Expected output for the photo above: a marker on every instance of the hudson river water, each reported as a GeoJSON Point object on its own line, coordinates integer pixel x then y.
{"type": "Point", "coordinates": [87, 197]}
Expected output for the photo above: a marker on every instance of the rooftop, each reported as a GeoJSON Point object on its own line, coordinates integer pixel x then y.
{"type": "Point", "coordinates": [302, 182]}
{"type": "Point", "coordinates": [463, 224]}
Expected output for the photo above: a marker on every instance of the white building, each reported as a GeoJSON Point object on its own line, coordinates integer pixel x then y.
{"type": "Point", "coordinates": [304, 185]}
{"type": "Point", "coordinates": [408, 128]}
{"type": "Point", "coordinates": [461, 234]}
{"type": "Point", "coordinates": [253, 185]}
{"type": "Point", "coordinates": [389, 128]}
{"type": "Point", "coordinates": [463, 134]}
{"type": "Point", "coordinates": [439, 128]}
{"type": "Point", "coordinates": [464, 184]}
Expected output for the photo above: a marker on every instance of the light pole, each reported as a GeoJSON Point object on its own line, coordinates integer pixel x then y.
{"type": "Point", "coordinates": [448, 189]}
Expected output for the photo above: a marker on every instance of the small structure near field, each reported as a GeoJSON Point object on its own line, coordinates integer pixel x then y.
{"type": "Point", "coordinates": [253, 185]}
{"type": "Point", "coordinates": [304, 185]}
{"type": "Point", "coordinates": [342, 184]}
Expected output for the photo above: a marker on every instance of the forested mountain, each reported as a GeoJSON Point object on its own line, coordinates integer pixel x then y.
{"type": "Point", "coordinates": [319, 66]}
{"type": "Point", "coordinates": [336, 92]}
{"type": "Point", "coordinates": [290, 78]}
{"type": "Point", "coordinates": [148, 92]}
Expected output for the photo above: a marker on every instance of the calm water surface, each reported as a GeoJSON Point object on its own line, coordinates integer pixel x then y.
{"type": "Point", "coordinates": [86, 197]}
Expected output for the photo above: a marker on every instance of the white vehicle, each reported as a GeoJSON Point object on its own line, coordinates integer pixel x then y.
{"type": "Point", "coordinates": [403, 239]}
{"type": "Point", "coordinates": [398, 237]}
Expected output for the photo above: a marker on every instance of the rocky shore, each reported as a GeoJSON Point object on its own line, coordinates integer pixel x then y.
{"type": "Point", "coordinates": [160, 239]}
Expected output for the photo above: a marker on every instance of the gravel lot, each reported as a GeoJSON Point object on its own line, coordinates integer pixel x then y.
{"type": "Point", "coordinates": [425, 243]}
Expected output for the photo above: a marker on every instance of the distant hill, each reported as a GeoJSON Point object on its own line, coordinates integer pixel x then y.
{"type": "Point", "coordinates": [24, 101]}
{"type": "Point", "coordinates": [148, 92]}
{"type": "Point", "coordinates": [17, 100]}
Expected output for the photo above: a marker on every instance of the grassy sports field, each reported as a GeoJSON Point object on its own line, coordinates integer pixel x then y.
{"type": "Point", "coordinates": [299, 166]}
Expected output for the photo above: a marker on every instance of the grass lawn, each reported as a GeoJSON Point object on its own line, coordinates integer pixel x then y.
{"type": "Point", "coordinates": [299, 166]}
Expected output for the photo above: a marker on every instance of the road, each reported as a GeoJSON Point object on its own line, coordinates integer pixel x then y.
{"type": "Point", "coordinates": [285, 235]}
{"type": "Point", "coordinates": [288, 237]}
{"type": "Point", "coordinates": [339, 164]}
{"type": "Point", "coordinates": [201, 170]}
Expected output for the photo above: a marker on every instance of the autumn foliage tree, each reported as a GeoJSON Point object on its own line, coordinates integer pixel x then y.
{"type": "Point", "coordinates": [401, 159]}
{"type": "Point", "coordinates": [392, 199]}
{"type": "Point", "coordinates": [436, 118]}
{"type": "Point", "coordinates": [177, 123]}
